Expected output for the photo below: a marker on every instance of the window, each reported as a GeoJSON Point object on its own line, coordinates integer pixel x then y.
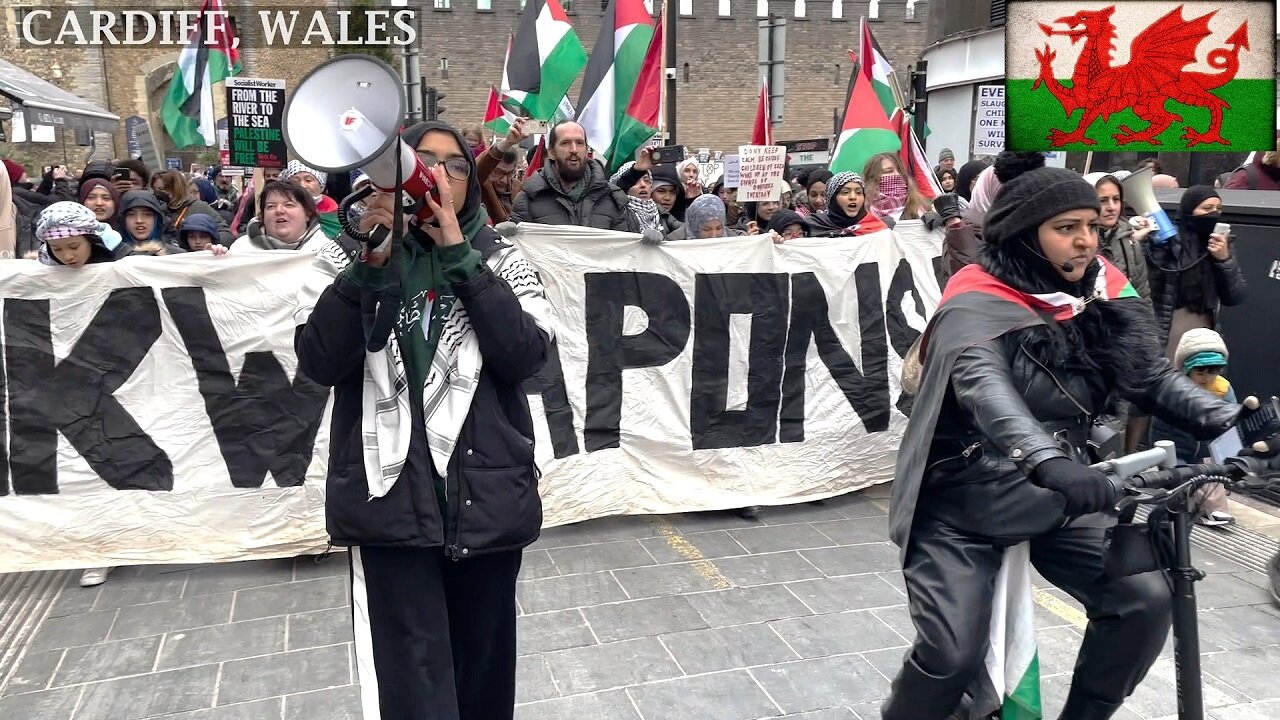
{"type": "Point", "coordinates": [443, 4]}
{"type": "Point", "coordinates": [911, 9]}
{"type": "Point", "coordinates": [997, 12]}
{"type": "Point", "coordinates": [484, 5]}
{"type": "Point", "coordinates": [568, 6]}
{"type": "Point", "coordinates": [762, 8]}
{"type": "Point", "coordinates": [686, 72]}
{"type": "Point", "coordinates": [725, 8]}
{"type": "Point", "coordinates": [837, 9]}
{"type": "Point", "coordinates": [799, 8]}
{"type": "Point", "coordinates": [444, 67]}
{"type": "Point", "coordinates": [686, 7]}
{"type": "Point", "coordinates": [873, 11]}
{"type": "Point", "coordinates": [836, 77]}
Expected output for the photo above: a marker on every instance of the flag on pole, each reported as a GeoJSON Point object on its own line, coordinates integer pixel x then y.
{"type": "Point", "coordinates": [865, 130]}
{"type": "Point", "coordinates": [1012, 681]}
{"type": "Point", "coordinates": [545, 57]}
{"type": "Point", "coordinates": [762, 132]}
{"type": "Point", "coordinates": [877, 70]}
{"type": "Point", "coordinates": [209, 57]}
{"type": "Point", "coordinates": [497, 117]}
{"type": "Point", "coordinates": [510, 98]}
{"type": "Point", "coordinates": [537, 158]}
{"type": "Point", "coordinates": [610, 80]}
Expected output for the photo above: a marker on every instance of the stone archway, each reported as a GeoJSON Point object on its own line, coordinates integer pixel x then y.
{"type": "Point", "coordinates": [153, 81]}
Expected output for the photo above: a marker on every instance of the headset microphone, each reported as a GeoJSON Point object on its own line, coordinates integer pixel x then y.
{"type": "Point", "coordinates": [1065, 267]}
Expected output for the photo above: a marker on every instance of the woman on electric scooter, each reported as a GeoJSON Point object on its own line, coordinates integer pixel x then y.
{"type": "Point", "coordinates": [1025, 349]}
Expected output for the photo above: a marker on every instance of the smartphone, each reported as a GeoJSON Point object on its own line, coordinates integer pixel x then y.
{"type": "Point", "coordinates": [1221, 229]}
{"type": "Point", "coordinates": [1262, 424]}
{"type": "Point", "coordinates": [667, 154]}
{"type": "Point", "coordinates": [122, 173]}
{"type": "Point", "coordinates": [536, 127]}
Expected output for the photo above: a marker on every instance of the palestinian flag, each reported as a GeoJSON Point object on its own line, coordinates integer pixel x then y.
{"type": "Point", "coordinates": [626, 30]}
{"type": "Point", "coordinates": [209, 57]}
{"type": "Point", "coordinates": [1012, 681]}
{"type": "Point", "coordinates": [496, 117]}
{"type": "Point", "coordinates": [545, 58]}
{"type": "Point", "coordinates": [1183, 76]}
{"type": "Point", "coordinates": [510, 98]}
{"type": "Point", "coordinates": [865, 130]}
{"type": "Point", "coordinates": [885, 81]}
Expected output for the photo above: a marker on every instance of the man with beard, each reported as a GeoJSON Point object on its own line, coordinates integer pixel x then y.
{"type": "Point", "coordinates": [573, 189]}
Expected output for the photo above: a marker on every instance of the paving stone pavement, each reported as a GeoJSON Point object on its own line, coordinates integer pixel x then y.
{"type": "Point", "coordinates": [800, 614]}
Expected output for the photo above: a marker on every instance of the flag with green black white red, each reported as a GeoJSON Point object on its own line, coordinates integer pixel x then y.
{"type": "Point", "coordinates": [209, 57]}
{"type": "Point", "coordinates": [544, 58]}
{"type": "Point", "coordinates": [1146, 75]}
{"type": "Point", "coordinates": [626, 30]}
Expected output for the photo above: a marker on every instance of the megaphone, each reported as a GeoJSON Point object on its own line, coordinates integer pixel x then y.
{"type": "Point", "coordinates": [1139, 195]}
{"type": "Point", "coordinates": [346, 114]}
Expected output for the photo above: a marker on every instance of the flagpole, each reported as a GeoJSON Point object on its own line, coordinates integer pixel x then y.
{"type": "Point", "coordinates": [671, 13]}
{"type": "Point", "coordinates": [662, 86]}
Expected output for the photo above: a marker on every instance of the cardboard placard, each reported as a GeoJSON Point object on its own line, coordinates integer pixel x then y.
{"type": "Point", "coordinates": [760, 169]}
{"type": "Point", "coordinates": [255, 122]}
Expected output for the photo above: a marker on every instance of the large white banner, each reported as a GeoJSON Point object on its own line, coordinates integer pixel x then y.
{"type": "Point", "coordinates": [153, 414]}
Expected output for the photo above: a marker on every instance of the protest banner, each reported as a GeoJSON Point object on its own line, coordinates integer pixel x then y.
{"type": "Point", "coordinates": [760, 167]}
{"type": "Point", "coordinates": [255, 122]}
{"type": "Point", "coordinates": [155, 414]}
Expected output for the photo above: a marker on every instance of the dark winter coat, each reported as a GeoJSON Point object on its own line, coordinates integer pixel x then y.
{"type": "Point", "coordinates": [602, 205]}
{"type": "Point", "coordinates": [174, 217]}
{"type": "Point", "coordinates": [28, 203]}
{"type": "Point", "coordinates": [962, 245]}
{"type": "Point", "coordinates": [1255, 176]}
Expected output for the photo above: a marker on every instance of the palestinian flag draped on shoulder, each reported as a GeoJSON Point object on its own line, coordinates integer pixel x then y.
{"type": "Point", "coordinates": [544, 59]}
{"type": "Point", "coordinates": [210, 56]}
{"type": "Point", "coordinates": [1156, 75]}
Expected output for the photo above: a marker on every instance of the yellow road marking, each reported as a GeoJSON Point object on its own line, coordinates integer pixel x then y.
{"type": "Point", "coordinates": [687, 550]}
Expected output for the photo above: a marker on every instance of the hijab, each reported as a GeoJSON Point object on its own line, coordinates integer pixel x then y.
{"type": "Point", "coordinates": [1185, 261]}
{"type": "Point", "coordinates": [984, 195]}
{"type": "Point", "coordinates": [967, 173]}
{"type": "Point", "coordinates": [784, 219]}
{"type": "Point", "coordinates": [88, 187]}
{"type": "Point", "coordinates": [704, 209]}
{"type": "Point", "coordinates": [471, 215]}
{"type": "Point", "coordinates": [836, 214]}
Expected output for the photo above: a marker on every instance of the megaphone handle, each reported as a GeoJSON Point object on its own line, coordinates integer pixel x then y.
{"type": "Point", "coordinates": [388, 305]}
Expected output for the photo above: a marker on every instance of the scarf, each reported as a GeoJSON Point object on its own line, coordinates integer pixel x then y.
{"type": "Point", "coordinates": [452, 378]}
{"type": "Point", "coordinates": [835, 213]}
{"type": "Point", "coordinates": [984, 194]}
{"type": "Point", "coordinates": [891, 196]}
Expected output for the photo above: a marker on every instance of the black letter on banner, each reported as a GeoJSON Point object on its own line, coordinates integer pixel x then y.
{"type": "Point", "coordinates": [262, 423]}
{"type": "Point", "coordinates": [901, 334]}
{"type": "Point", "coordinates": [76, 395]}
{"type": "Point", "coordinates": [549, 383]}
{"type": "Point", "coordinates": [867, 391]}
{"type": "Point", "coordinates": [609, 352]}
{"type": "Point", "coordinates": [716, 297]}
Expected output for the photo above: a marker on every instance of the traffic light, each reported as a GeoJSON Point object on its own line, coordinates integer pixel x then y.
{"type": "Point", "coordinates": [433, 108]}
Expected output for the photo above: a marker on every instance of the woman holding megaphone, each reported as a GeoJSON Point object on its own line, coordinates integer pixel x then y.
{"type": "Point", "coordinates": [431, 481]}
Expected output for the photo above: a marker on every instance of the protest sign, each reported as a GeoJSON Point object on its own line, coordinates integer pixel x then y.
{"type": "Point", "coordinates": [155, 413]}
{"type": "Point", "coordinates": [255, 112]}
{"type": "Point", "coordinates": [988, 132]}
{"type": "Point", "coordinates": [732, 171]}
{"type": "Point", "coordinates": [760, 169]}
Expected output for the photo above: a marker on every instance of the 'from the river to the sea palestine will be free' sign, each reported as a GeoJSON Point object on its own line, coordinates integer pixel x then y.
{"type": "Point", "coordinates": [255, 118]}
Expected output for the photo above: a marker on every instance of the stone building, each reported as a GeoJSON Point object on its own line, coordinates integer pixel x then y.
{"type": "Point", "coordinates": [461, 53]}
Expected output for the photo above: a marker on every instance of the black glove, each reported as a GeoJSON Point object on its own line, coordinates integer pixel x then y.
{"type": "Point", "coordinates": [1086, 490]}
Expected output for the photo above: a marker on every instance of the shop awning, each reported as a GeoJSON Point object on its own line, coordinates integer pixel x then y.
{"type": "Point", "coordinates": [43, 103]}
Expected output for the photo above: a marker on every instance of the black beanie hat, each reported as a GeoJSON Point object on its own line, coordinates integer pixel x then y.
{"type": "Point", "coordinates": [1034, 197]}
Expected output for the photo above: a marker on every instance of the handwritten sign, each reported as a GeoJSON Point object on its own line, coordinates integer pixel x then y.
{"type": "Point", "coordinates": [988, 126]}
{"type": "Point", "coordinates": [255, 114]}
{"type": "Point", "coordinates": [760, 167]}
{"type": "Point", "coordinates": [732, 171]}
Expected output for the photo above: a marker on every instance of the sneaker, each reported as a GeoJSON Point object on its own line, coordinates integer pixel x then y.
{"type": "Point", "coordinates": [1273, 572]}
{"type": "Point", "coordinates": [94, 576]}
{"type": "Point", "coordinates": [1217, 518]}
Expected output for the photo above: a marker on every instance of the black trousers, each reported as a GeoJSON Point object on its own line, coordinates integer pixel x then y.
{"type": "Point", "coordinates": [435, 638]}
{"type": "Point", "coordinates": [950, 578]}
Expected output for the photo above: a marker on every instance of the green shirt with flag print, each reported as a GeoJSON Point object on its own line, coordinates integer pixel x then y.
{"type": "Point", "coordinates": [427, 276]}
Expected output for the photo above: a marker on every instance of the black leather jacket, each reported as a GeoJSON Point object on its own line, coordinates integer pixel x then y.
{"type": "Point", "coordinates": [1008, 411]}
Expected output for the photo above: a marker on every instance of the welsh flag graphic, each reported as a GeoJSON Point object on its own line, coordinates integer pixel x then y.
{"type": "Point", "coordinates": [1142, 76]}
{"type": "Point", "coordinates": [209, 57]}
{"type": "Point", "coordinates": [865, 131]}
{"type": "Point", "coordinates": [544, 59]}
{"type": "Point", "coordinates": [610, 81]}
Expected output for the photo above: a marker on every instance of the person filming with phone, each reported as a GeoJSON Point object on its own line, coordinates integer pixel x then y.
{"type": "Point", "coordinates": [431, 481]}
{"type": "Point", "coordinates": [1195, 272]}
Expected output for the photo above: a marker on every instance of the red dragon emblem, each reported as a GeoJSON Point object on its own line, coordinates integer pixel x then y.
{"type": "Point", "coordinates": [1154, 75]}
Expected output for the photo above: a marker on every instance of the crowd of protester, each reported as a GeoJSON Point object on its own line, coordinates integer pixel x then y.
{"type": "Point", "coordinates": [113, 210]}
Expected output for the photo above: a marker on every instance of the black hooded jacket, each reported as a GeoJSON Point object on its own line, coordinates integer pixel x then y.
{"type": "Point", "coordinates": [491, 488]}
{"type": "Point", "coordinates": [601, 205]}
{"type": "Point", "coordinates": [1182, 273]}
